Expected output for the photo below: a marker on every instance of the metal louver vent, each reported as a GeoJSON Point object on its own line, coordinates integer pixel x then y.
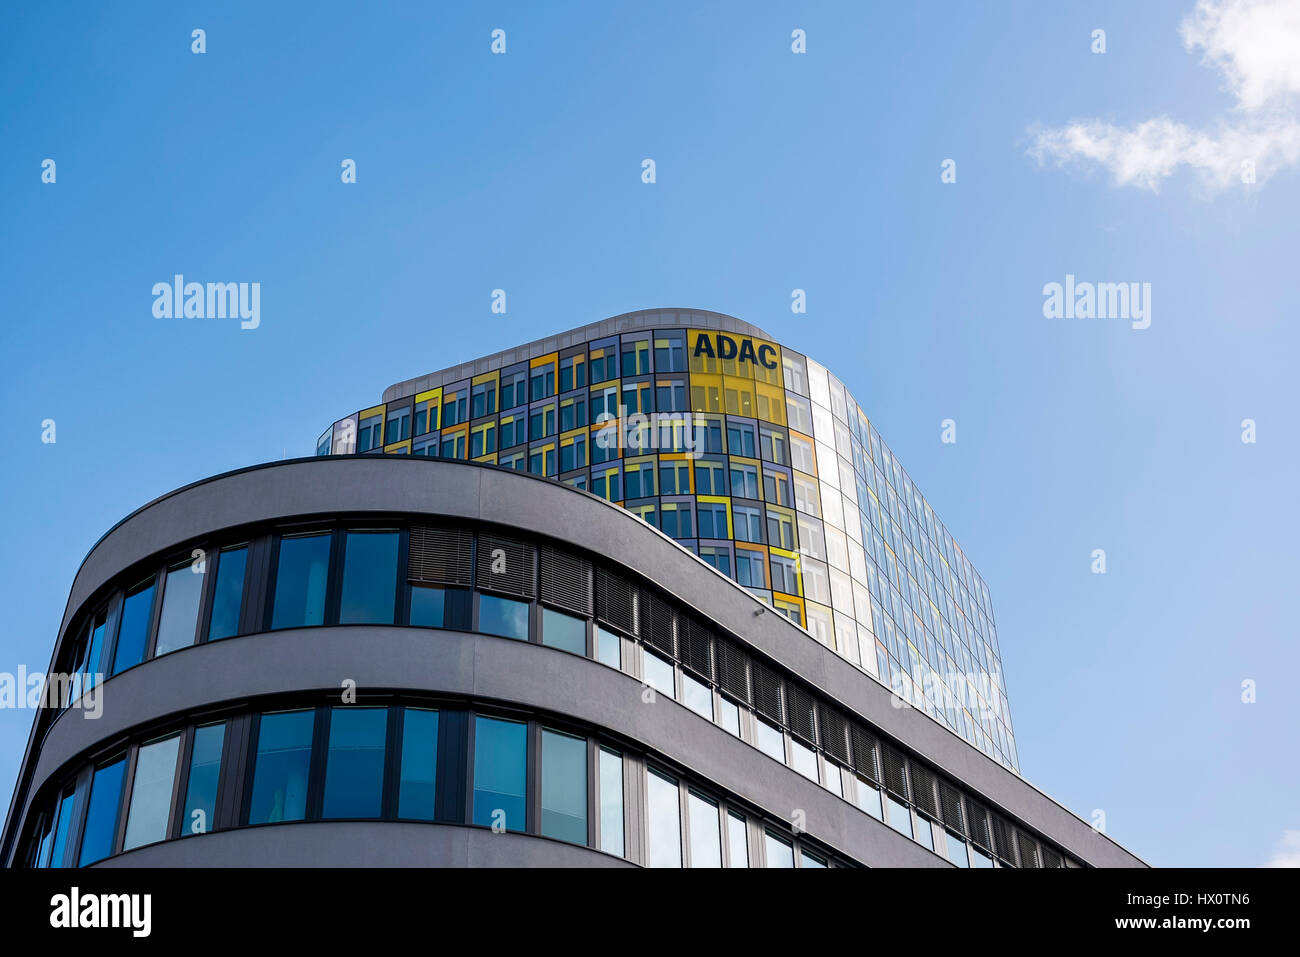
{"type": "Point", "coordinates": [923, 790]}
{"type": "Point", "coordinates": [615, 601]}
{"type": "Point", "coordinates": [895, 771]}
{"type": "Point", "coordinates": [1028, 849]}
{"type": "Point", "coordinates": [733, 670]}
{"type": "Point", "coordinates": [864, 752]}
{"type": "Point", "coordinates": [696, 644]}
{"type": "Point", "coordinates": [1050, 857]}
{"type": "Point", "coordinates": [767, 692]}
{"type": "Point", "coordinates": [802, 712]}
{"type": "Point", "coordinates": [657, 623]}
{"type": "Point", "coordinates": [835, 732]}
{"type": "Point", "coordinates": [566, 581]}
{"type": "Point", "coordinates": [950, 805]}
{"type": "Point", "coordinates": [506, 566]}
{"type": "Point", "coordinates": [439, 556]}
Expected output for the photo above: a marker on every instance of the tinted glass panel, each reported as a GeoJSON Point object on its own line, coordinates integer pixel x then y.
{"type": "Point", "coordinates": [564, 787]}
{"type": "Point", "coordinates": [228, 595]}
{"type": "Point", "coordinates": [101, 816]}
{"type": "Point", "coordinates": [354, 766]}
{"type": "Point", "coordinates": [957, 850]}
{"type": "Point", "coordinates": [503, 616]}
{"type": "Point", "coordinates": [564, 631]}
{"type": "Point", "coordinates": [500, 773]}
{"type": "Point", "coordinates": [924, 833]}
{"type": "Point", "coordinates": [810, 860]}
{"type": "Point", "coordinates": [663, 821]}
{"type": "Point", "coordinates": [180, 609]}
{"type": "Point", "coordinates": [779, 852]}
{"type": "Point", "coordinates": [427, 606]}
{"type": "Point", "coordinates": [151, 791]}
{"type": "Point", "coordinates": [737, 841]}
{"type": "Point", "coordinates": [205, 770]}
{"type": "Point", "coordinates": [900, 818]}
{"type": "Point", "coordinates": [300, 580]}
{"type": "Point", "coordinates": [803, 759]}
{"type": "Point", "coordinates": [611, 802]}
{"type": "Point", "coordinates": [369, 578]}
{"type": "Point", "coordinates": [657, 673]}
{"type": "Point", "coordinates": [419, 782]}
{"type": "Point", "coordinates": [868, 799]}
{"type": "Point", "coordinates": [729, 716]}
{"type": "Point", "coordinates": [609, 648]}
{"type": "Point", "coordinates": [96, 649]}
{"type": "Point", "coordinates": [771, 741]}
{"type": "Point", "coordinates": [61, 829]}
{"type": "Point", "coordinates": [134, 633]}
{"type": "Point", "coordinates": [697, 696]}
{"type": "Point", "coordinates": [706, 845]}
{"type": "Point", "coordinates": [281, 767]}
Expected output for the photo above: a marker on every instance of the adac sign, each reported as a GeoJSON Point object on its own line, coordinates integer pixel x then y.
{"type": "Point", "coordinates": [719, 345]}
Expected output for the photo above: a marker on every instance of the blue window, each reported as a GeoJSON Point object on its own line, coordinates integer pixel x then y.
{"type": "Point", "coordinates": [354, 765]}
{"type": "Point", "coordinates": [151, 792]}
{"type": "Point", "coordinates": [61, 828]}
{"type": "Point", "coordinates": [500, 773]}
{"type": "Point", "coordinates": [369, 578]}
{"type": "Point", "coordinates": [228, 595]}
{"type": "Point", "coordinates": [564, 631]}
{"type": "Point", "coordinates": [205, 771]}
{"type": "Point", "coordinates": [503, 616]}
{"type": "Point", "coordinates": [101, 816]}
{"type": "Point", "coordinates": [427, 606]}
{"type": "Point", "coordinates": [300, 580]}
{"type": "Point", "coordinates": [133, 636]}
{"type": "Point", "coordinates": [564, 787]}
{"type": "Point", "coordinates": [282, 767]}
{"type": "Point", "coordinates": [418, 787]}
{"type": "Point", "coordinates": [182, 589]}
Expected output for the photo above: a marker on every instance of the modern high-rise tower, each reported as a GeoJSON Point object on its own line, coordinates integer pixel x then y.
{"type": "Point", "coordinates": [649, 592]}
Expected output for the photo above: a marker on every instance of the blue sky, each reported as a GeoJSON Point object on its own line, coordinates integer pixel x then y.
{"type": "Point", "coordinates": [775, 171]}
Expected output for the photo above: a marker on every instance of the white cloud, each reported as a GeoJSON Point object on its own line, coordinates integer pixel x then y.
{"type": "Point", "coordinates": [1287, 853]}
{"type": "Point", "coordinates": [1255, 44]}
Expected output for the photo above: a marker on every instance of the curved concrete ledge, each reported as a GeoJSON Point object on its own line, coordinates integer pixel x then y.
{"type": "Point", "coordinates": [479, 668]}
{"type": "Point", "coordinates": [363, 844]}
{"type": "Point", "coordinates": [374, 485]}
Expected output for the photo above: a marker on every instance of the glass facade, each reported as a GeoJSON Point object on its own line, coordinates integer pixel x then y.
{"type": "Point", "coordinates": [792, 493]}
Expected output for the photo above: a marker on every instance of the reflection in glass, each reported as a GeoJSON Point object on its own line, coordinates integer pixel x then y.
{"type": "Point", "coordinates": [281, 767]}
{"type": "Point", "coordinates": [354, 766]}
{"type": "Point", "coordinates": [418, 787]}
{"type": "Point", "coordinates": [300, 581]}
{"type": "Point", "coordinates": [564, 631]}
{"type": "Point", "coordinates": [151, 792]}
{"type": "Point", "coordinates": [182, 590]}
{"type": "Point", "coordinates": [205, 771]}
{"type": "Point", "coordinates": [611, 802]}
{"type": "Point", "coordinates": [706, 844]}
{"type": "Point", "coordinates": [663, 821]}
{"type": "Point", "coordinates": [503, 616]}
{"type": "Point", "coordinates": [369, 578]}
{"type": "Point", "coordinates": [500, 773]}
{"type": "Point", "coordinates": [228, 594]}
{"type": "Point", "coordinates": [564, 786]}
{"type": "Point", "coordinates": [101, 814]}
